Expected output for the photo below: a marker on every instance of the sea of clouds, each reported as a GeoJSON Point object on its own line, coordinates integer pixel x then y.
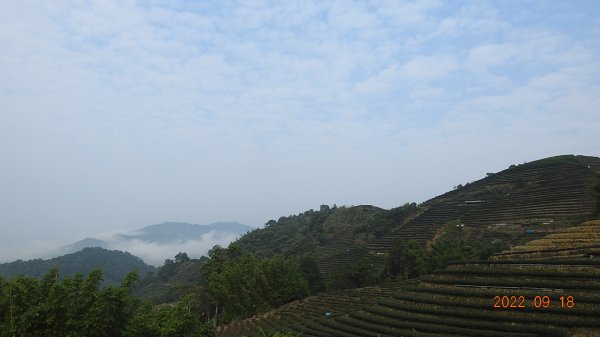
{"type": "Point", "coordinates": [156, 254]}
{"type": "Point", "coordinates": [152, 253]}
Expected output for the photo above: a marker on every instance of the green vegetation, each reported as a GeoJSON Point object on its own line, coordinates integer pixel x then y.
{"type": "Point", "coordinates": [179, 320]}
{"type": "Point", "coordinates": [453, 301]}
{"type": "Point", "coordinates": [334, 302]}
{"type": "Point", "coordinates": [406, 260]}
{"type": "Point", "coordinates": [410, 259]}
{"type": "Point", "coordinates": [116, 265]}
{"type": "Point", "coordinates": [300, 234]}
{"type": "Point", "coordinates": [78, 306]}
{"type": "Point", "coordinates": [383, 221]}
{"type": "Point", "coordinates": [556, 160]}
{"type": "Point", "coordinates": [238, 285]}
{"type": "Point", "coordinates": [355, 275]}
{"type": "Point", "coordinates": [309, 267]}
{"type": "Point", "coordinates": [277, 334]}
{"type": "Point", "coordinates": [342, 271]}
{"type": "Point", "coordinates": [459, 302]}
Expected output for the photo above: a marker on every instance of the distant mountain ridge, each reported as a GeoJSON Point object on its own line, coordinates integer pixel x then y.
{"type": "Point", "coordinates": [164, 233]}
{"type": "Point", "coordinates": [168, 232]}
{"type": "Point", "coordinates": [114, 264]}
{"type": "Point", "coordinates": [81, 244]}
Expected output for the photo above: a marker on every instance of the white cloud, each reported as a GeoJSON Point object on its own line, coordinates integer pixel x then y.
{"type": "Point", "coordinates": [156, 254]}
{"type": "Point", "coordinates": [381, 83]}
{"type": "Point", "coordinates": [36, 249]}
{"type": "Point", "coordinates": [152, 253]}
{"type": "Point", "coordinates": [426, 68]}
{"type": "Point", "coordinates": [426, 93]}
{"type": "Point", "coordinates": [485, 56]}
{"type": "Point", "coordinates": [407, 13]}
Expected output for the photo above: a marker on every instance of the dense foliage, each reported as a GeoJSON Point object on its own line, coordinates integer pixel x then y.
{"type": "Point", "coordinates": [381, 222]}
{"type": "Point", "coordinates": [354, 275]}
{"type": "Point", "coordinates": [237, 284]}
{"type": "Point", "coordinates": [115, 264]}
{"type": "Point", "coordinates": [78, 306]}
{"type": "Point", "coordinates": [302, 233]}
{"type": "Point", "coordinates": [410, 259]}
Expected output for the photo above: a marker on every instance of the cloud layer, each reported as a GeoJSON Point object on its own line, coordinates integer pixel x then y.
{"type": "Point", "coordinates": [151, 252]}
{"type": "Point", "coordinates": [156, 254]}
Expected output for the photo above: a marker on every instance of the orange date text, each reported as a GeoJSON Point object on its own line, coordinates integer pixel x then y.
{"type": "Point", "coordinates": [538, 302]}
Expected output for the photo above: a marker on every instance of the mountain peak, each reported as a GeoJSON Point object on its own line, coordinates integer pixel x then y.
{"type": "Point", "coordinates": [81, 244]}
{"type": "Point", "coordinates": [168, 232]}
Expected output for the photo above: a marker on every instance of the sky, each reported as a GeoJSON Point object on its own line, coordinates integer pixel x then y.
{"type": "Point", "coordinates": [115, 115]}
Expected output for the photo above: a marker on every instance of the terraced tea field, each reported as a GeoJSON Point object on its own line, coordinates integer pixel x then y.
{"type": "Point", "coordinates": [557, 296]}
{"type": "Point", "coordinates": [460, 300]}
{"type": "Point", "coordinates": [557, 189]}
{"type": "Point", "coordinates": [186, 278]}
{"type": "Point", "coordinates": [574, 242]}
{"type": "Point", "coordinates": [336, 303]}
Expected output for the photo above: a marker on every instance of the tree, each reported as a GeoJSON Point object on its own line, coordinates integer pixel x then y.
{"type": "Point", "coordinates": [237, 285]}
{"type": "Point", "coordinates": [406, 260]}
{"type": "Point", "coordinates": [354, 275]}
{"type": "Point", "coordinates": [181, 258]}
{"type": "Point", "coordinates": [284, 279]}
{"type": "Point", "coordinates": [77, 306]}
{"type": "Point", "coordinates": [309, 267]}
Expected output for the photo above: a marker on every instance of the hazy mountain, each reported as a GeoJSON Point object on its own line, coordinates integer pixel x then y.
{"type": "Point", "coordinates": [156, 243]}
{"type": "Point", "coordinates": [114, 264]}
{"type": "Point", "coordinates": [169, 232]}
{"type": "Point", "coordinates": [85, 243]}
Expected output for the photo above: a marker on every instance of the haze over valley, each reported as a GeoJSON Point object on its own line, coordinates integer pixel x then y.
{"type": "Point", "coordinates": [154, 244]}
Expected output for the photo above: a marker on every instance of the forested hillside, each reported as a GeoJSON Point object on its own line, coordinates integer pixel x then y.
{"type": "Point", "coordinates": [114, 264]}
{"type": "Point", "coordinates": [504, 208]}
{"type": "Point", "coordinates": [55, 306]}
{"type": "Point", "coordinates": [335, 236]}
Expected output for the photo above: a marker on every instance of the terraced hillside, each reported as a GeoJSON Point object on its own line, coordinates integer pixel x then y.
{"type": "Point", "coordinates": [185, 277]}
{"type": "Point", "coordinates": [557, 190]}
{"type": "Point", "coordinates": [574, 242]}
{"type": "Point", "coordinates": [335, 303]}
{"type": "Point", "coordinates": [516, 297]}
{"type": "Point", "coordinates": [334, 236]}
{"type": "Point", "coordinates": [521, 203]}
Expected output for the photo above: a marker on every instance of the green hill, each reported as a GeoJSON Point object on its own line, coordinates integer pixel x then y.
{"type": "Point", "coordinates": [509, 207]}
{"type": "Point", "coordinates": [170, 281]}
{"type": "Point", "coordinates": [525, 203]}
{"type": "Point", "coordinates": [114, 265]}
{"type": "Point", "coordinates": [533, 202]}
{"type": "Point", "coordinates": [549, 294]}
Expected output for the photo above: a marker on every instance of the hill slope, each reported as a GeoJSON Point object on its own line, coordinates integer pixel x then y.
{"type": "Point", "coordinates": [511, 207]}
{"type": "Point", "coordinates": [114, 264]}
{"type": "Point", "coordinates": [554, 296]}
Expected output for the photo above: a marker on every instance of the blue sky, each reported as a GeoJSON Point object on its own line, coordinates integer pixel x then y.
{"type": "Point", "coordinates": [122, 114]}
